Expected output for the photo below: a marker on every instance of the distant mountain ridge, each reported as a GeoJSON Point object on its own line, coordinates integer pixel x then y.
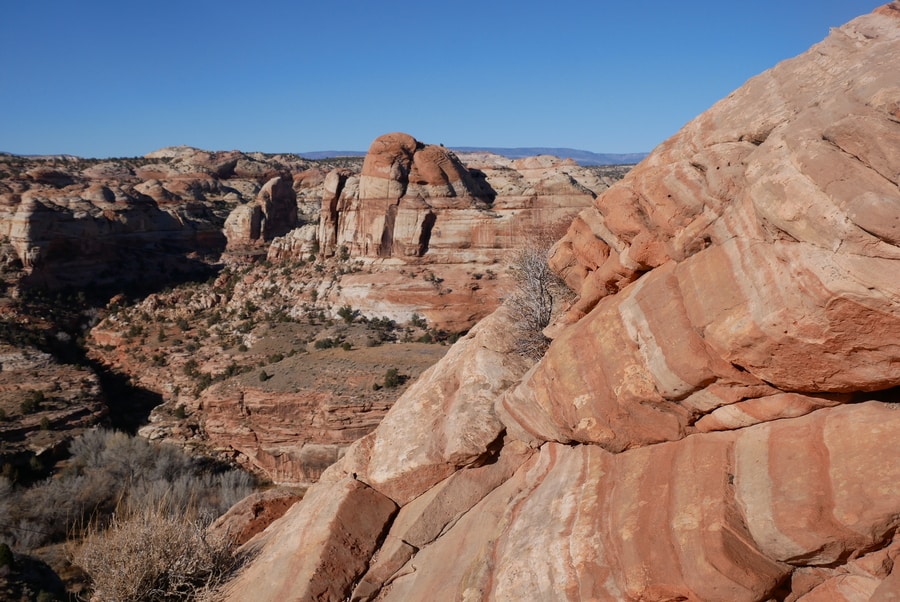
{"type": "Point", "coordinates": [582, 157]}
{"type": "Point", "coordinates": [331, 154]}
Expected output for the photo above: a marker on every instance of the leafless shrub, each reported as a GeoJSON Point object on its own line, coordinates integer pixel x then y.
{"type": "Point", "coordinates": [110, 470]}
{"type": "Point", "coordinates": [538, 294]}
{"type": "Point", "coordinates": [154, 555]}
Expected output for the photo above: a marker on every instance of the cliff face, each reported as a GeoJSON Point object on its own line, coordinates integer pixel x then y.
{"type": "Point", "coordinates": [717, 416]}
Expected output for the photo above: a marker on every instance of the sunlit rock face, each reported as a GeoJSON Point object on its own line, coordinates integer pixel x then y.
{"type": "Point", "coordinates": [717, 416]}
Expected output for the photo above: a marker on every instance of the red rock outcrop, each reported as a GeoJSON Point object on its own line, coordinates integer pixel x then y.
{"type": "Point", "coordinates": [418, 200]}
{"type": "Point", "coordinates": [716, 418]}
{"type": "Point", "coordinates": [253, 514]}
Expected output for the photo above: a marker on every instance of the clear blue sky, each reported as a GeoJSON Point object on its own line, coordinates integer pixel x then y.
{"type": "Point", "coordinates": [102, 78]}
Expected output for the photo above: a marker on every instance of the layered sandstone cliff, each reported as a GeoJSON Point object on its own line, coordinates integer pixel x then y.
{"type": "Point", "coordinates": [436, 233]}
{"type": "Point", "coordinates": [717, 416]}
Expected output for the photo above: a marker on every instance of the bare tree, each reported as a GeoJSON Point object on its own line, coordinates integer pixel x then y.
{"type": "Point", "coordinates": [538, 295]}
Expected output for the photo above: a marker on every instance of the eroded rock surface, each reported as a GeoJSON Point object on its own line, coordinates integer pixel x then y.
{"type": "Point", "coordinates": [717, 416]}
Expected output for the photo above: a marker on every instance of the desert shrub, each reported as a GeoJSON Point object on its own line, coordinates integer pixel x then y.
{"type": "Point", "coordinates": [205, 494]}
{"type": "Point", "coordinates": [346, 346]}
{"type": "Point", "coordinates": [393, 378]}
{"type": "Point", "coordinates": [264, 376]}
{"type": "Point", "coordinates": [180, 412]}
{"type": "Point", "coordinates": [152, 555]}
{"type": "Point", "coordinates": [32, 402]}
{"type": "Point", "coordinates": [190, 368]}
{"type": "Point", "coordinates": [347, 314]}
{"type": "Point", "coordinates": [535, 299]}
{"type": "Point", "coordinates": [109, 469]}
{"type": "Point", "coordinates": [326, 343]}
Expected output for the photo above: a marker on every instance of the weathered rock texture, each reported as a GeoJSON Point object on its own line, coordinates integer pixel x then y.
{"type": "Point", "coordinates": [717, 417]}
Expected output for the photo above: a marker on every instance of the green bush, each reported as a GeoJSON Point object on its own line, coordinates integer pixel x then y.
{"type": "Point", "coordinates": [347, 314]}
{"type": "Point", "coordinates": [393, 378]}
{"type": "Point", "coordinates": [326, 343]}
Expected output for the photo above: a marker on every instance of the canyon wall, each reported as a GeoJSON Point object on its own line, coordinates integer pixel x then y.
{"type": "Point", "coordinates": [154, 219]}
{"type": "Point", "coordinates": [717, 416]}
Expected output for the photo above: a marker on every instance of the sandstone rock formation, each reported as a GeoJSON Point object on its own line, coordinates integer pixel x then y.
{"type": "Point", "coordinates": [154, 219]}
{"type": "Point", "coordinates": [273, 214]}
{"type": "Point", "coordinates": [417, 200]}
{"type": "Point", "coordinates": [429, 227]}
{"type": "Point", "coordinates": [717, 416]}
